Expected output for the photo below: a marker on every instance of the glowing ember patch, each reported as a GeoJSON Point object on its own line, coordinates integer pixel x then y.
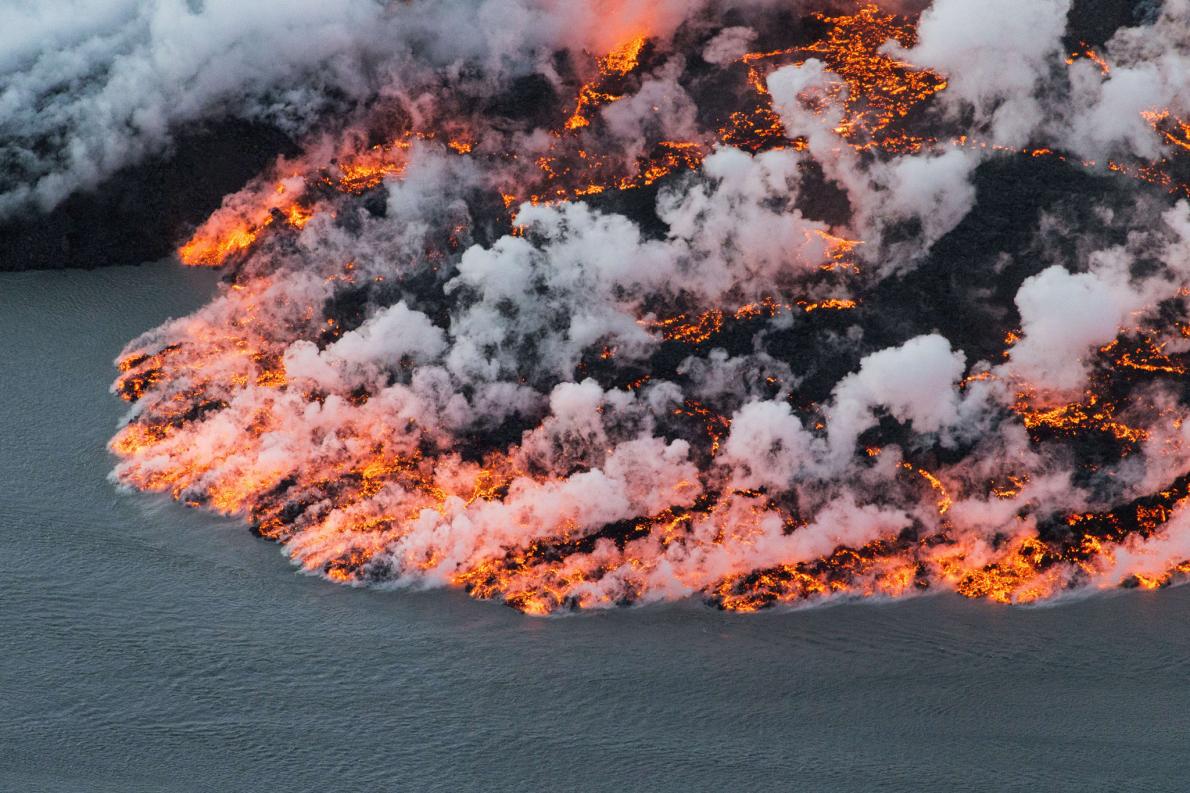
{"type": "Point", "coordinates": [1172, 129]}
{"type": "Point", "coordinates": [624, 58]}
{"type": "Point", "coordinates": [271, 378]}
{"type": "Point", "coordinates": [881, 90]}
{"type": "Point", "coordinates": [366, 172]}
{"type": "Point", "coordinates": [691, 331]}
{"type": "Point", "coordinates": [1144, 355]}
{"type": "Point", "coordinates": [944, 500]}
{"type": "Point", "coordinates": [617, 63]}
{"type": "Point", "coordinates": [1090, 415]}
{"type": "Point", "coordinates": [212, 249]}
{"type": "Point", "coordinates": [831, 304]}
{"type": "Point", "coordinates": [1142, 581]}
{"type": "Point", "coordinates": [671, 156]}
{"type": "Point", "coordinates": [1011, 488]}
{"type": "Point", "coordinates": [298, 216]}
{"type": "Point", "coordinates": [1016, 578]}
{"type": "Point", "coordinates": [1090, 54]}
{"type": "Point", "coordinates": [876, 91]}
{"type": "Point", "coordinates": [716, 426]}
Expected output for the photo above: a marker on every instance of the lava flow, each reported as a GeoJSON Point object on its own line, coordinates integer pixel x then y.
{"type": "Point", "coordinates": [751, 312]}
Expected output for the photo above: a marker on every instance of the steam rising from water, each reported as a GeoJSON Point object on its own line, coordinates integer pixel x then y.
{"type": "Point", "coordinates": [657, 301]}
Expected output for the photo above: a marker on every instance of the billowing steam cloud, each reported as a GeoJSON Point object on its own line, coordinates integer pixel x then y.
{"type": "Point", "coordinates": [89, 86]}
{"type": "Point", "coordinates": [587, 304]}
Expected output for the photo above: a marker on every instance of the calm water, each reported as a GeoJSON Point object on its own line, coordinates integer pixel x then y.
{"type": "Point", "coordinates": [145, 646]}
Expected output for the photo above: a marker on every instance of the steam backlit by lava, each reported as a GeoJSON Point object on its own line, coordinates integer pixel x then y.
{"type": "Point", "coordinates": [583, 321]}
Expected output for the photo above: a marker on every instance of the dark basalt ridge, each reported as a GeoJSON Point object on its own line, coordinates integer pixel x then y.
{"type": "Point", "coordinates": [139, 214]}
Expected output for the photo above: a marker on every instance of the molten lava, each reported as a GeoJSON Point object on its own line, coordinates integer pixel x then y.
{"type": "Point", "coordinates": [360, 407]}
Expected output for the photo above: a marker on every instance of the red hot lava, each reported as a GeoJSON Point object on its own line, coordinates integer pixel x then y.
{"type": "Point", "coordinates": [433, 363]}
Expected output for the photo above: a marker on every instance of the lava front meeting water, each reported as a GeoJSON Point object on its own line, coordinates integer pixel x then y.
{"type": "Point", "coordinates": [693, 316]}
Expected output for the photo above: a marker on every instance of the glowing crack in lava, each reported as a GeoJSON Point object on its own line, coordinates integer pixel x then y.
{"type": "Point", "coordinates": [632, 353]}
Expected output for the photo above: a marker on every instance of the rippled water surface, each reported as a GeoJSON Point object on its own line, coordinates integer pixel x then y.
{"type": "Point", "coordinates": [146, 646]}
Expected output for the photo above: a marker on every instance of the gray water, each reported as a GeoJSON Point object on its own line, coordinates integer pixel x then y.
{"type": "Point", "coordinates": [147, 646]}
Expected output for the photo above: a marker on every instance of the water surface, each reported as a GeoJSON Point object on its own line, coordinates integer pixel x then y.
{"type": "Point", "coordinates": [146, 646]}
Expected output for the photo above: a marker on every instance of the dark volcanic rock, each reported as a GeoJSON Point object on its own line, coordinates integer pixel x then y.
{"type": "Point", "coordinates": [143, 211]}
{"type": "Point", "coordinates": [965, 287]}
{"type": "Point", "coordinates": [1093, 22]}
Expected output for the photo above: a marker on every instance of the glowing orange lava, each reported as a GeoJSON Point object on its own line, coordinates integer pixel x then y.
{"type": "Point", "coordinates": [379, 495]}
